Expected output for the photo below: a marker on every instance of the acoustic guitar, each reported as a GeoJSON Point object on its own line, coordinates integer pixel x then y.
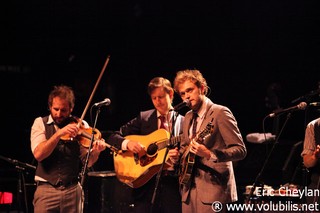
{"type": "Point", "coordinates": [188, 159]}
{"type": "Point", "coordinates": [137, 169]}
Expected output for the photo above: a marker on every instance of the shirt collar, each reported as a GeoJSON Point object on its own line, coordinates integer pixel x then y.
{"type": "Point", "coordinates": [168, 116]}
{"type": "Point", "coordinates": [203, 108]}
{"type": "Point", "coordinates": [50, 120]}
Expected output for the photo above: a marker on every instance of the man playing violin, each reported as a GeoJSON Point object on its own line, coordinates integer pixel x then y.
{"type": "Point", "coordinates": [59, 160]}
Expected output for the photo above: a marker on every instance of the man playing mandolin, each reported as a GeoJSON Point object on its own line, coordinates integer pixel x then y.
{"type": "Point", "coordinates": [140, 157]}
{"type": "Point", "coordinates": [56, 147]}
{"type": "Point", "coordinates": [211, 141]}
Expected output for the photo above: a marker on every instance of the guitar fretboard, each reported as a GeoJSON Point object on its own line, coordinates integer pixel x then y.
{"type": "Point", "coordinates": [172, 141]}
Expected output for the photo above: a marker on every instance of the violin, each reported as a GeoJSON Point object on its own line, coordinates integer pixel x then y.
{"type": "Point", "coordinates": [84, 134]}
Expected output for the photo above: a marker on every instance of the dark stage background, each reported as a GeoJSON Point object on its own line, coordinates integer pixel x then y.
{"type": "Point", "coordinates": [255, 55]}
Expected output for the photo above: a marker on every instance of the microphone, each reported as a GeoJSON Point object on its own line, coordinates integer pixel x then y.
{"type": "Point", "coordinates": [307, 96]}
{"type": "Point", "coordinates": [300, 106]}
{"type": "Point", "coordinates": [105, 102]}
{"type": "Point", "coordinates": [186, 102]}
{"type": "Point", "coordinates": [315, 104]}
{"type": "Point", "coordinates": [18, 163]}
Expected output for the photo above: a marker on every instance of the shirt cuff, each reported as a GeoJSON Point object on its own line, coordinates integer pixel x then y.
{"type": "Point", "coordinates": [124, 144]}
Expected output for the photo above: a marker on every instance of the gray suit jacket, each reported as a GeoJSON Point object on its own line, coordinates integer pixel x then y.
{"type": "Point", "coordinates": [217, 182]}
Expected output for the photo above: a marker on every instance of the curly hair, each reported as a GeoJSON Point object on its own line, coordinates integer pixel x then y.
{"type": "Point", "coordinates": [64, 92]}
{"type": "Point", "coordinates": [194, 76]}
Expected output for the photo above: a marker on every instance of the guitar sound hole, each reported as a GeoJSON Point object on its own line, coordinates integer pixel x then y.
{"type": "Point", "coordinates": [152, 150]}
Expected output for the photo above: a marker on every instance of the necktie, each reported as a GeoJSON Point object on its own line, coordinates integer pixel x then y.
{"type": "Point", "coordinates": [163, 124]}
{"type": "Point", "coordinates": [194, 125]}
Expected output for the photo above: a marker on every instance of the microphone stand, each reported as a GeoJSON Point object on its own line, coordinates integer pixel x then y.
{"type": "Point", "coordinates": [257, 180]}
{"type": "Point", "coordinates": [174, 117]}
{"type": "Point", "coordinates": [18, 163]}
{"type": "Point", "coordinates": [21, 188]}
{"type": "Point", "coordinates": [84, 169]}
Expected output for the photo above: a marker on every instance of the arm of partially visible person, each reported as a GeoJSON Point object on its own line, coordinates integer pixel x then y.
{"type": "Point", "coordinates": [311, 152]}
{"type": "Point", "coordinates": [311, 160]}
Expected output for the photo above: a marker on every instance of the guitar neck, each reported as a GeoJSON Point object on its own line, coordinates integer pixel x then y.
{"type": "Point", "coordinates": [170, 142]}
{"type": "Point", "coordinates": [175, 140]}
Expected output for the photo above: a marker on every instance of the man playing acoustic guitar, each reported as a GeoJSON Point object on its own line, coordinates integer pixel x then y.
{"type": "Point", "coordinates": [142, 143]}
{"type": "Point", "coordinates": [211, 141]}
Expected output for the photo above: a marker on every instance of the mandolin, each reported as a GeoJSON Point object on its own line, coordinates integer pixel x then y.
{"type": "Point", "coordinates": [188, 158]}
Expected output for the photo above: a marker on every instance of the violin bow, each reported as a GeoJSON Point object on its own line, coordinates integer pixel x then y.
{"type": "Point", "coordinates": [94, 89]}
{"type": "Point", "coordinates": [84, 168]}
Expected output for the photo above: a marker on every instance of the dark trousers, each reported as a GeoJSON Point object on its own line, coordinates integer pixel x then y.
{"type": "Point", "coordinates": [167, 197]}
